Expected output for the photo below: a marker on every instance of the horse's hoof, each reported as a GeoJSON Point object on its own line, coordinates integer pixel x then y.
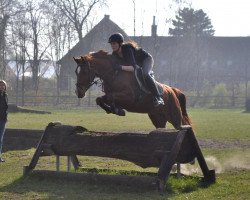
{"type": "Point", "coordinates": [121, 113]}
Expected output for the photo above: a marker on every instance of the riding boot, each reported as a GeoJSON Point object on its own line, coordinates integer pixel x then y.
{"type": "Point", "coordinates": [157, 100]}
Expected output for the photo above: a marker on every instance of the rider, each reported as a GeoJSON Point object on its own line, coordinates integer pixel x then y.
{"type": "Point", "coordinates": [133, 57]}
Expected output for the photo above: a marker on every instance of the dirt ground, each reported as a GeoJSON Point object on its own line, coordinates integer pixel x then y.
{"type": "Point", "coordinates": [210, 143]}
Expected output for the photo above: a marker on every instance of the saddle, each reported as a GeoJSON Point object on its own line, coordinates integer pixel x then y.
{"type": "Point", "coordinates": [142, 88]}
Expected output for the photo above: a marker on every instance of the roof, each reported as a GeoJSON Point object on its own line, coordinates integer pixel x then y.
{"type": "Point", "coordinates": [171, 54]}
{"type": "Point", "coordinates": [95, 39]}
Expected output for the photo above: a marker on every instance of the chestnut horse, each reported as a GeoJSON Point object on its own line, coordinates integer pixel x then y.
{"type": "Point", "coordinates": [121, 89]}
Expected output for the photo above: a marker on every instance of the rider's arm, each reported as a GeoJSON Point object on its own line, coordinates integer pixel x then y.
{"type": "Point", "coordinates": [128, 54]}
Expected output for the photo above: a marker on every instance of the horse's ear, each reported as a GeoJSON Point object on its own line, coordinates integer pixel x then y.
{"type": "Point", "coordinates": [77, 59]}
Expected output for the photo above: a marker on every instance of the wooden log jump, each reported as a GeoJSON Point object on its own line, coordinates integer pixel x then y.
{"type": "Point", "coordinates": [161, 148]}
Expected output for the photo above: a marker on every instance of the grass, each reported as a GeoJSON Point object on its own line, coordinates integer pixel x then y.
{"type": "Point", "coordinates": [231, 184]}
{"type": "Point", "coordinates": [231, 164]}
{"type": "Point", "coordinates": [207, 123]}
{"type": "Point", "coordinates": [221, 123]}
{"type": "Point", "coordinates": [92, 119]}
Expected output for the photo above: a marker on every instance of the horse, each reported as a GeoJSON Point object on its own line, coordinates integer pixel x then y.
{"type": "Point", "coordinates": [122, 91]}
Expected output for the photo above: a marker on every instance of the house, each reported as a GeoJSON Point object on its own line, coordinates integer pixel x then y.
{"type": "Point", "coordinates": [188, 63]}
{"type": "Point", "coordinates": [95, 39]}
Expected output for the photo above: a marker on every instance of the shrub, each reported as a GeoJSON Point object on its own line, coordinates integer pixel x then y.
{"type": "Point", "coordinates": [221, 97]}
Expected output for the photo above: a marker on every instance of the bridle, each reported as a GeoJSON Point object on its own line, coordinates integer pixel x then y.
{"type": "Point", "coordinates": [99, 80]}
{"type": "Point", "coordinates": [78, 85]}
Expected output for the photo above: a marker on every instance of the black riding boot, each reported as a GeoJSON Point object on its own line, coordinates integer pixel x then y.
{"type": "Point", "coordinates": [157, 100]}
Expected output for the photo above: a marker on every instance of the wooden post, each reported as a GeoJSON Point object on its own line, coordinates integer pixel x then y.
{"type": "Point", "coordinates": [57, 163]}
{"type": "Point", "coordinates": [169, 160]}
{"type": "Point", "coordinates": [178, 170]}
{"type": "Point", "coordinates": [37, 153]}
{"type": "Point", "coordinates": [68, 163]}
{"type": "Point", "coordinates": [209, 175]}
{"type": "Point", "coordinates": [75, 162]}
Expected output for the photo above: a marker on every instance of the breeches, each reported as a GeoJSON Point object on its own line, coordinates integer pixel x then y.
{"type": "Point", "coordinates": [147, 66]}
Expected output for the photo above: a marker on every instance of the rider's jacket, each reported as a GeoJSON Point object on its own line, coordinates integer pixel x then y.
{"type": "Point", "coordinates": [131, 55]}
{"type": "Point", "coordinates": [3, 106]}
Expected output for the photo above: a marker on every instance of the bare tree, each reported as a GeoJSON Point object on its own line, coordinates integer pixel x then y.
{"type": "Point", "coordinates": [60, 36]}
{"type": "Point", "coordinates": [38, 43]}
{"type": "Point", "coordinates": [58, 39]}
{"type": "Point", "coordinates": [8, 8]}
{"type": "Point", "coordinates": [17, 42]}
{"type": "Point", "coordinates": [77, 11]}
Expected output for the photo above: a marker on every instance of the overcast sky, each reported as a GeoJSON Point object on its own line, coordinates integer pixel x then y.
{"type": "Point", "coordinates": [229, 17]}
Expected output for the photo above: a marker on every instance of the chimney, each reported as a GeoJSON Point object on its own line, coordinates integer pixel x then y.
{"type": "Point", "coordinates": [154, 28]}
{"type": "Point", "coordinates": [106, 17]}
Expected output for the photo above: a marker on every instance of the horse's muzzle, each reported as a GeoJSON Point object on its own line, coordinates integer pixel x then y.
{"type": "Point", "coordinates": [80, 94]}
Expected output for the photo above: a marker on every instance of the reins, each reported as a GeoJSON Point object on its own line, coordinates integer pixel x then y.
{"type": "Point", "coordinates": [78, 85]}
{"type": "Point", "coordinates": [101, 78]}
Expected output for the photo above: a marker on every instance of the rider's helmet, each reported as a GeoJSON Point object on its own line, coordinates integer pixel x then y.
{"type": "Point", "coordinates": [116, 37]}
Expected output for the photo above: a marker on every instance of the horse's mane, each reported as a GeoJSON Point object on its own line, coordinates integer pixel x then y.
{"type": "Point", "coordinates": [98, 54]}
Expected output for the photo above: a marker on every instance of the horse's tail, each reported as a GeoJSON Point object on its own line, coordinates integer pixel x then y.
{"type": "Point", "coordinates": [182, 100]}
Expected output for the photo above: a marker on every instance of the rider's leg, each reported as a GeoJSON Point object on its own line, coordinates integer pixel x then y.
{"type": "Point", "coordinates": [157, 100]}
{"type": "Point", "coordinates": [147, 66]}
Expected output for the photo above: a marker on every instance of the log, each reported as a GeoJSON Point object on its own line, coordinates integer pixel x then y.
{"type": "Point", "coordinates": [21, 139]}
{"type": "Point", "coordinates": [161, 148]}
{"type": "Point", "coordinates": [145, 150]}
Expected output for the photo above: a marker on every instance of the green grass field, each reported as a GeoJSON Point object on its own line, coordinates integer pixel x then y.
{"type": "Point", "coordinates": [231, 164]}
{"type": "Point", "coordinates": [207, 123]}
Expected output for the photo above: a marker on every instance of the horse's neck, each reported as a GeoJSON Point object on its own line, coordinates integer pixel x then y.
{"type": "Point", "coordinates": [115, 81]}
{"type": "Point", "coordinates": [105, 72]}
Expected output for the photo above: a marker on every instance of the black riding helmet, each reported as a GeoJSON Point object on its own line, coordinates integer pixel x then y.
{"type": "Point", "coordinates": [117, 37]}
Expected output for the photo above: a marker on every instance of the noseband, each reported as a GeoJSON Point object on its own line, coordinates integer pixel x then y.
{"type": "Point", "coordinates": [78, 85]}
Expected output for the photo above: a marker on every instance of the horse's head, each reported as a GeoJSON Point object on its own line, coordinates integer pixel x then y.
{"type": "Point", "coordinates": [95, 64]}
{"type": "Point", "coordinates": [85, 75]}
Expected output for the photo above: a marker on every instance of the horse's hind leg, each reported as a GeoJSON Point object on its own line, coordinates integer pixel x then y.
{"type": "Point", "coordinates": [158, 120]}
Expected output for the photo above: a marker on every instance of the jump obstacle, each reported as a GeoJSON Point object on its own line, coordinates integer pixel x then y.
{"type": "Point", "coordinates": [161, 148]}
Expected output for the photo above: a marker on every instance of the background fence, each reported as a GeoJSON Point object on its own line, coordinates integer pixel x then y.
{"type": "Point", "coordinates": [89, 101]}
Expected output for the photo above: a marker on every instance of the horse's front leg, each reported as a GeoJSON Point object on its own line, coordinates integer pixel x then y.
{"type": "Point", "coordinates": [102, 102]}
{"type": "Point", "coordinates": [105, 104]}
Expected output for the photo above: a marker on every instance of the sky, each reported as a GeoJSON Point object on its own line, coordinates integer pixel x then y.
{"type": "Point", "coordinates": [228, 17]}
